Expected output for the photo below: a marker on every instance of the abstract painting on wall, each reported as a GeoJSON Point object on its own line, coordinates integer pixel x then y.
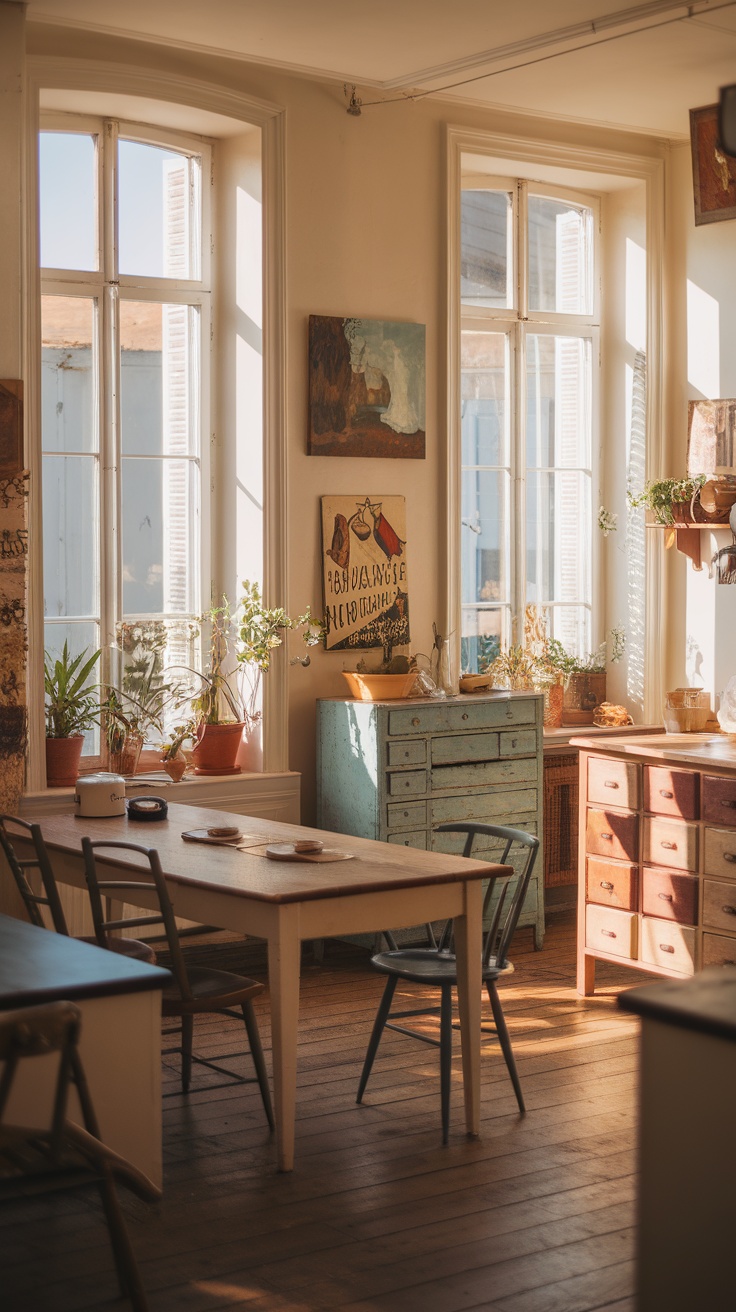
{"type": "Point", "coordinates": [366, 388]}
{"type": "Point", "coordinates": [364, 572]}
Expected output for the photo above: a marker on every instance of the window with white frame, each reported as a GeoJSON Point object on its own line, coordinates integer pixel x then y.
{"type": "Point", "coordinates": [125, 281]}
{"type": "Point", "coordinates": [529, 361]}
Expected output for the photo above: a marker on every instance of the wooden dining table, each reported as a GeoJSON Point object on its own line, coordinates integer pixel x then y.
{"type": "Point", "coordinates": [379, 886]}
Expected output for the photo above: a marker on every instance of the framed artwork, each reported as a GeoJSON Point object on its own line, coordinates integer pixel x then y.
{"type": "Point", "coordinates": [714, 174]}
{"type": "Point", "coordinates": [364, 572]}
{"type": "Point", "coordinates": [711, 437]}
{"type": "Point", "coordinates": [367, 389]}
{"type": "Point", "coordinates": [11, 427]}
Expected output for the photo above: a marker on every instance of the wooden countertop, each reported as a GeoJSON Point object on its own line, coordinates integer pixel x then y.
{"type": "Point", "coordinates": [702, 750]}
{"type": "Point", "coordinates": [38, 965]}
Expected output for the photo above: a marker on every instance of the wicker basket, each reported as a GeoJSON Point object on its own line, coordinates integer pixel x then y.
{"type": "Point", "coordinates": [560, 819]}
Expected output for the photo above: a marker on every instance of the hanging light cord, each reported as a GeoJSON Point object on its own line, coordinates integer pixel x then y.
{"type": "Point", "coordinates": [355, 104]}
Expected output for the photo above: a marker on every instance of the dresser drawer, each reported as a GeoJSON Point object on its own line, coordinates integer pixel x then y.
{"type": "Point", "coordinates": [465, 747]}
{"type": "Point", "coordinates": [718, 800]}
{"type": "Point", "coordinates": [671, 792]}
{"type": "Point", "coordinates": [719, 905]}
{"type": "Point", "coordinates": [517, 744]}
{"type": "Point", "coordinates": [449, 718]}
{"type": "Point", "coordinates": [407, 783]}
{"type": "Point", "coordinates": [667, 944]}
{"type": "Point", "coordinates": [613, 834]}
{"type": "Point", "coordinates": [613, 783]}
{"type": "Point", "coordinates": [412, 838]}
{"type": "Point", "coordinates": [718, 950]}
{"type": "Point", "coordinates": [483, 773]}
{"type": "Point", "coordinates": [671, 843]}
{"type": "Point", "coordinates": [496, 807]}
{"type": "Point", "coordinates": [609, 930]}
{"type": "Point", "coordinates": [408, 753]}
{"type": "Point", "coordinates": [412, 815]}
{"type": "Point", "coordinates": [720, 852]}
{"type": "Point", "coordinates": [670, 895]}
{"type": "Point", "coordinates": [612, 884]}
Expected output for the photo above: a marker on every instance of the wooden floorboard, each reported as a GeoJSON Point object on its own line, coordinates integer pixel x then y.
{"type": "Point", "coordinates": [534, 1216]}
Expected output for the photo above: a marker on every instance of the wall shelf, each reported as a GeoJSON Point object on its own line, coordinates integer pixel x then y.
{"type": "Point", "coordinates": [687, 537]}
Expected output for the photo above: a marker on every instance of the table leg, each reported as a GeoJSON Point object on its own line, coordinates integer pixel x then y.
{"type": "Point", "coordinates": [284, 952]}
{"type": "Point", "coordinates": [468, 936]}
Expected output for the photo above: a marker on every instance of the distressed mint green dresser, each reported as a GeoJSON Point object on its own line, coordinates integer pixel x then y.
{"type": "Point", "coordinates": [395, 770]}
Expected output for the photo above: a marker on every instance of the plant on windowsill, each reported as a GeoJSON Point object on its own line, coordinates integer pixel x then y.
{"type": "Point", "coordinates": [583, 677]}
{"type": "Point", "coordinates": [131, 711]}
{"type": "Point", "coordinates": [172, 758]}
{"type": "Point", "coordinates": [72, 707]}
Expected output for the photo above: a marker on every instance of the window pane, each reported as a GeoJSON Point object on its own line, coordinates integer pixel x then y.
{"type": "Point", "coordinates": [68, 374]}
{"type": "Point", "coordinates": [70, 535]}
{"type": "Point", "coordinates": [485, 536]}
{"type": "Point", "coordinates": [160, 536]}
{"type": "Point", "coordinates": [159, 376]}
{"type": "Point", "coordinates": [558, 372]}
{"type": "Point", "coordinates": [485, 262]}
{"type": "Point", "coordinates": [482, 637]}
{"type": "Point", "coordinates": [159, 211]}
{"type": "Point", "coordinates": [68, 200]}
{"type": "Point", "coordinates": [560, 256]}
{"type": "Point", "coordinates": [484, 403]}
{"type": "Point", "coordinates": [558, 536]}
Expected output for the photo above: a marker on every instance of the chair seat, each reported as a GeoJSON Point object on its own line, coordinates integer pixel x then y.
{"type": "Point", "coordinates": [127, 947]}
{"type": "Point", "coordinates": [426, 966]}
{"type": "Point", "coordinates": [210, 988]}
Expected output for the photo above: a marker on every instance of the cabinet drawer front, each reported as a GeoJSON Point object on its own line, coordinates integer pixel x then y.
{"type": "Point", "coordinates": [484, 847]}
{"type": "Point", "coordinates": [671, 843]}
{"type": "Point", "coordinates": [483, 773]}
{"type": "Point", "coordinates": [612, 884]}
{"type": "Point", "coordinates": [412, 838]}
{"type": "Point", "coordinates": [613, 931]}
{"type": "Point", "coordinates": [671, 792]}
{"type": "Point", "coordinates": [491, 807]}
{"type": "Point", "coordinates": [718, 800]}
{"type": "Point", "coordinates": [718, 950]}
{"type": "Point", "coordinates": [406, 783]}
{"type": "Point", "coordinates": [465, 747]}
{"type": "Point", "coordinates": [720, 852]}
{"type": "Point", "coordinates": [411, 816]}
{"type": "Point", "coordinates": [613, 783]}
{"type": "Point", "coordinates": [517, 744]}
{"type": "Point", "coordinates": [719, 905]}
{"type": "Point", "coordinates": [665, 943]}
{"type": "Point", "coordinates": [671, 896]}
{"type": "Point", "coordinates": [612, 834]}
{"type": "Point", "coordinates": [452, 717]}
{"type": "Point", "coordinates": [411, 753]}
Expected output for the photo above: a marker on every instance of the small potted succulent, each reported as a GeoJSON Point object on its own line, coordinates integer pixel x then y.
{"type": "Point", "coordinates": [72, 707]}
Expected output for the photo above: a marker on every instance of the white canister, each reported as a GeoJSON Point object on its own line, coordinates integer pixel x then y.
{"type": "Point", "coordinates": [100, 795]}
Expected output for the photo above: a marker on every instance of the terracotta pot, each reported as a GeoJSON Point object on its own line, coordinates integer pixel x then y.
{"type": "Point", "coordinates": [174, 767]}
{"type": "Point", "coordinates": [62, 760]}
{"type": "Point", "coordinates": [583, 695]}
{"type": "Point", "coordinates": [216, 748]}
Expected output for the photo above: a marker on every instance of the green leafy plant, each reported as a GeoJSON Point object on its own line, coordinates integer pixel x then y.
{"type": "Point", "coordinates": [72, 703]}
{"type": "Point", "coordinates": [554, 659]}
{"type": "Point", "coordinates": [137, 703]}
{"type": "Point", "coordinates": [177, 736]}
{"type": "Point", "coordinates": [660, 496]}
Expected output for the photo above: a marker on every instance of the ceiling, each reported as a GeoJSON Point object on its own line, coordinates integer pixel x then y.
{"type": "Point", "coordinates": [641, 65]}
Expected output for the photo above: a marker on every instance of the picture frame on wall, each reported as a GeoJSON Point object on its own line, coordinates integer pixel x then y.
{"type": "Point", "coordinates": [11, 427]}
{"type": "Point", "coordinates": [714, 172]}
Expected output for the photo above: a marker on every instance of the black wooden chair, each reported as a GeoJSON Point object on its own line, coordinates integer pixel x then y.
{"type": "Point", "coordinates": [64, 1156]}
{"type": "Point", "coordinates": [437, 966]}
{"type": "Point", "coordinates": [194, 989]}
{"type": "Point", "coordinates": [33, 901]}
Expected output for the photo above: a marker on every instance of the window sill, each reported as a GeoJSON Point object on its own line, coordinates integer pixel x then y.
{"type": "Point", "coordinates": [272, 796]}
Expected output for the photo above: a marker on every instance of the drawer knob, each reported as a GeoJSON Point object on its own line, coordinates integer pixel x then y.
{"type": "Point", "coordinates": [465, 715]}
{"type": "Point", "coordinates": [671, 847]}
{"type": "Point", "coordinates": [731, 802]}
{"type": "Point", "coordinates": [729, 856]}
{"type": "Point", "coordinates": [606, 883]}
{"type": "Point", "coordinates": [729, 911]}
{"type": "Point", "coordinates": [415, 720]}
{"type": "Point", "coordinates": [608, 836]}
{"type": "Point", "coordinates": [610, 783]}
{"type": "Point", "coordinates": [664, 792]}
{"type": "Point", "coordinates": [666, 897]}
{"type": "Point", "coordinates": [509, 714]}
{"type": "Point", "coordinates": [514, 741]}
{"type": "Point", "coordinates": [666, 947]}
{"type": "Point", "coordinates": [608, 933]}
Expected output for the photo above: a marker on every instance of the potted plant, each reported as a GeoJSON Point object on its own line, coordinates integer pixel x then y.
{"type": "Point", "coordinates": [172, 759]}
{"type": "Point", "coordinates": [131, 711]}
{"type": "Point", "coordinates": [671, 500]}
{"type": "Point", "coordinates": [584, 676]}
{"type": "Point", "coordinates": [72, 707]}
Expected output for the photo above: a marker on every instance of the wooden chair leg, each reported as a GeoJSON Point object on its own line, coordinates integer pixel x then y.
{"type": "Point", "coordinates": [505, 1041]}
{"type": "Point", "coordinates": [127, 1269]}
{"type": "Point", "coordinates": [375, 1039]}
{"type": "Point", "coordinates": [187, 1038]}
{"type": "Point", "coordinates": [445, 1057]}
{"type": "Point", "coordinates": [256, 1052]}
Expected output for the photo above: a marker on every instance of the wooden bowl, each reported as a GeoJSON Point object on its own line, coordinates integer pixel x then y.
{"type": "Point", "coordinates": [379, 687]}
